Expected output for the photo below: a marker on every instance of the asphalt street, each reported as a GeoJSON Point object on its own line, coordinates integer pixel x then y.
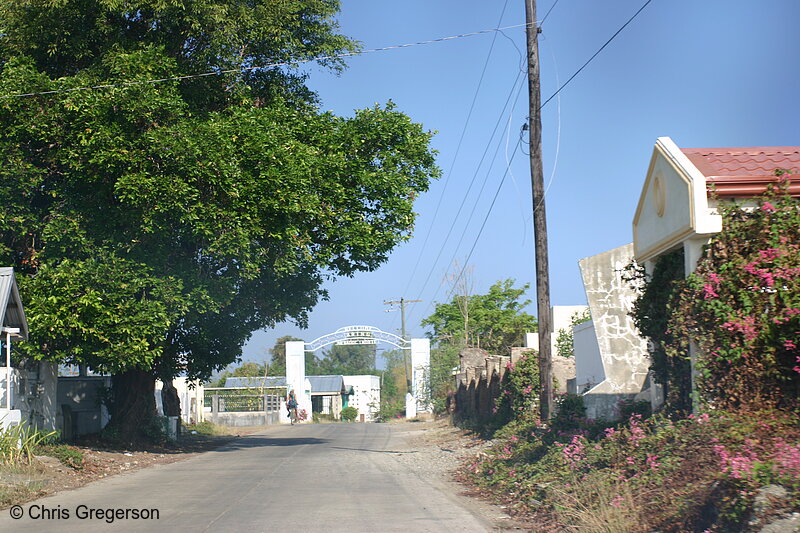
{"type": "Point", "coordinates": [310, 477]}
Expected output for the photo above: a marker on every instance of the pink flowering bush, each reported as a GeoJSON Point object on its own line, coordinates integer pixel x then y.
{"type": "Point", "coordinates": [665, 473]}
{"type": "Point", "coordinates": [742, 307]}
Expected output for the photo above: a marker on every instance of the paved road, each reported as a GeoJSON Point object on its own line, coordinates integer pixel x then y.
{"type": "Point", "coordinates": [312, 477]}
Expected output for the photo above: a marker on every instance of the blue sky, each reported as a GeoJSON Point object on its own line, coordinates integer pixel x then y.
{"type": "Point", "coordinates": [705, 73]}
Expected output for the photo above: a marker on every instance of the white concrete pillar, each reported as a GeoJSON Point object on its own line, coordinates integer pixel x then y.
{"type": "Point", "coordinates": [692, 253]}
{"type": "Point", "coordinates": [296, 375]}
{"type": "Point", "coordinates": [420, 374]}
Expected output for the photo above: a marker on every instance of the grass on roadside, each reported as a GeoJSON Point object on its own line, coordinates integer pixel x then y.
{"type": "Point", "coordinates": [20, 482]}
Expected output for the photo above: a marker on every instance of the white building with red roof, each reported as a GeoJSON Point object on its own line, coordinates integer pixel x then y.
{"type": "Point", "coordinates": [683, 187]}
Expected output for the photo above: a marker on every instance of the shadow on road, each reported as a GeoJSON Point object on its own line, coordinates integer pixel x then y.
{"type": "Point", "coordinates": [257, 442]}
{"type": "Point", "coordinates": [375, 451]}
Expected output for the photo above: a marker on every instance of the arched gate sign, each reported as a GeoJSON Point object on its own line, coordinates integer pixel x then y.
{"type": "Point", "coordinates": [417, 401]}
{"type": "Point", "coordinates": [357, 335]}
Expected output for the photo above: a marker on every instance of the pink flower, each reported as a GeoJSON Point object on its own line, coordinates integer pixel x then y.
{"type": "Point", "coordinates": [770, 254]}
{"type": "Point", "coordinates": [768, 208]}
{"type": "Point", "coordinates": [617, 501]}
{"type": "Point", "coordinates": [709, 292]}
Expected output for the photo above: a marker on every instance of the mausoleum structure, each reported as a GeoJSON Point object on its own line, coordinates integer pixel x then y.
{"type": "Point", "coordinates": [27, 387]}
{"type": "Point", "coordinates": [678, 206]}
{"type": "Point", "coordinates": [683, 187]}
{"type": "Point", "coordinates": [611, 358]}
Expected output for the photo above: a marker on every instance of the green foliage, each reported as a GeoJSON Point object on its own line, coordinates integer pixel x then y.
{"type": "Point", "coordinates": [277, 363]}
{"type": "Point", "coordinates": [742, 306]}
{"type": "Point", "coordinates": [518, 403]}
{"type": "Point", "coordinates": [206, 427]}
{"type": "Point", "coordinates": [20, 442]}
{"type": "Point", "coordinates": [246, 369]}
{"type": "Point", "coordinates": [390, 408]}
{"type": "Point", "coordinates": [565, 336]}
{"type": "Point", "coordinates": [346, 360]}
{"type": "Point", "coordinates": [155, 226]}
{"type": "Point", "coordinates": [629, 408]}
{"type": "Point", "coordinates": [349, 414]}
{"type": "Point", "coordinates": [443, 359]}
{"type": "Point", "coordinates": [68, 455]}
{"type": "Point", "coordinates": [670, 368]}
{"type": "Point", "coordinates": [496, 319]}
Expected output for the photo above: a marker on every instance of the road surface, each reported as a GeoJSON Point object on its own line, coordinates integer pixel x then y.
{"type": "Point", "coordinates": [310, 477]}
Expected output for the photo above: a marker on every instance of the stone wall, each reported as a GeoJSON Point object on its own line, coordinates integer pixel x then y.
{"type": "Point", "coordinates": [478, 385]}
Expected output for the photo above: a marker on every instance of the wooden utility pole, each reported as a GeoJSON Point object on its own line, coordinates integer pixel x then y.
{"type": "Point", "coordinates": [406, 358]}
{"type": "Point", "coordinates": [539, 214]}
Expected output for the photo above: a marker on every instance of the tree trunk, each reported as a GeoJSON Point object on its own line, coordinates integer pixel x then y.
{"type": "Point", "coordinates": [133, 417]}
{"type": "Point", "coordinates": [169, 399]}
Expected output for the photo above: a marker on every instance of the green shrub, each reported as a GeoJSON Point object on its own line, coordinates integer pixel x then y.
{"type": "Point", "coordinates": [390, 409]}
{"type": "Point", "coordinates": [742, 307]}
{"type": "Point", "coordinates": [68, 455]}
{"type": "Point", "coordinates": [206, 427]}
{"type": "Point", "coordinates": [628, 408]}
{"type": "Point", "coordinates": [349, 413]}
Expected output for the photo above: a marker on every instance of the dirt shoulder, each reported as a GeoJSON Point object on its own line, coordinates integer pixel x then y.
{"type": "Point", "coordinates": [48, 475]}
{"type": "Point", "coordinates": [438, 449]}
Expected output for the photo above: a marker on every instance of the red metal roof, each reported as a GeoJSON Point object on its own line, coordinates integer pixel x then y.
{"type": "Point", "coordinates": [746, 172]}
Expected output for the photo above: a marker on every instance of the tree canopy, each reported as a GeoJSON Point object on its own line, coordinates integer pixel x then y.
{"type": "Point", "coordinates": [156, 225]}
{"type": "Point", "coordinates": [346, 360]}
{"type": "Point", "coordinates": [494, 321]}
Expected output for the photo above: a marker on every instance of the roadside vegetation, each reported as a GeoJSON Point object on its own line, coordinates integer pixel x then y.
{"type": "Point", "coordinates": [22, 476]}
{"type": "Point", "coordinates": [726, 459]}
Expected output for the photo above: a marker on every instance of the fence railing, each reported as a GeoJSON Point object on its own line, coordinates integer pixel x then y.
{"type": "Point", "coordinates": [243, 403]}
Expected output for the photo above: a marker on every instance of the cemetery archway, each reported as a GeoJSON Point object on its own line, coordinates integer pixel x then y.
{"type": "Point", "coordinates": [417, 400]}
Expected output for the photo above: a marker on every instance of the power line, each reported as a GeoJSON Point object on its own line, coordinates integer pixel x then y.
{"type": "Point", "coordinates": [472, 182]}
{"type": "Point", "coordinates": [260, 67]}
{"type": "Point", "coordinates": [485, 181]}
{"type": "Point", "coordinates": [480, 231]}
{"type": "Point", "coordinates": [486, 218]}
{"type": "Point", "coordinates": [548, 12]}
{"type": "Point", "coordinates": [458, 149]}
{"type": "Point", "coordinates": [596, 53]}
{"type": "Point", "coordinates": [545, 103]}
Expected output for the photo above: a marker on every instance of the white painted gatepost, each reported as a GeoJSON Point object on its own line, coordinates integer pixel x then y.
{"type": "Point", "coordinates": [417, 401]}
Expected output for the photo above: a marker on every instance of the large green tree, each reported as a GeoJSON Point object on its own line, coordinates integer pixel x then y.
{"type": "Point", "coordinates": [347, 360]}
{"type": "Point", "coordinates": [156, 225]}
{"type": "Point", "coordinates": [277, 354]}
{"type": "Point", "coordinates": [496, 320]}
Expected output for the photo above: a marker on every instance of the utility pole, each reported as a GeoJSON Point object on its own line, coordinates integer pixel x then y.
{"type": "Point", "coordinates": [406, 360]}
{"type": "Point", "coordinates": [539, 214]}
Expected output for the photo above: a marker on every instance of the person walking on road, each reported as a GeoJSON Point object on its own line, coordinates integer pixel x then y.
{"type": "Point", "coordinates": [291, 405]}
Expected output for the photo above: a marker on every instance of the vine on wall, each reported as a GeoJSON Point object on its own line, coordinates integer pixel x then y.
{"type": "Point", "coordinates": [651, 310]}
